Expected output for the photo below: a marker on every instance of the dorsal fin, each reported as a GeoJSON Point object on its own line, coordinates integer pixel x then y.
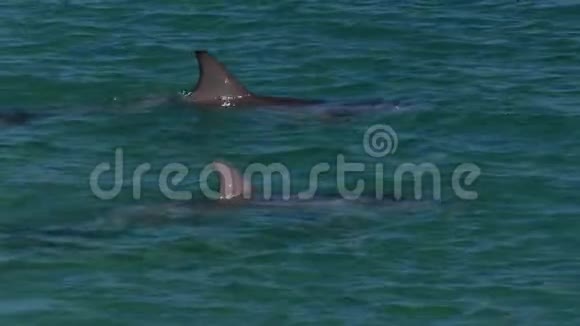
{"type": "Point", "coordinates": [215, 81]}
{"type": "Point", "coordinates": [232, 184]}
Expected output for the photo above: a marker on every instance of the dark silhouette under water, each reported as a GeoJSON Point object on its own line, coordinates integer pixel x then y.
{"type": "Point", "coordinates": [15, 118]}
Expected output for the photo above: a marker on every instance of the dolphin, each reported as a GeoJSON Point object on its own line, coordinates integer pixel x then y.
{"type": "Point", "coordinates": [216, 86]}
{"type": "Point", "coordinates": [236, 193]}
{"type": "Point", "coordinates": [15, 118]}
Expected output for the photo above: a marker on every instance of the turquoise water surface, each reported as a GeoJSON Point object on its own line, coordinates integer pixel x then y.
{"type": "Point", "coordinates": [490, 83]}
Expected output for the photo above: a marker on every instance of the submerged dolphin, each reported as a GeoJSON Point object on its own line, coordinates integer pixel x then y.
{"type": "Point", "coordinates": [235, 192]}
{"type": "Point", "coordinates": [15, 118]}
{"type": "Point", "coordinates": [216, 86]}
